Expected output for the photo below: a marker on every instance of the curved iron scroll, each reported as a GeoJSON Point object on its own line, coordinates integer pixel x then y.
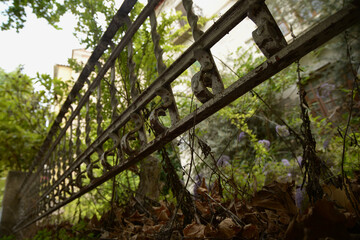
{"type": "Point", "coordinates": [125, 145]}
{"type": "Point", "coordinates": [208, 77]}
{"type": "Point", "coordinates": [168, 100]}
{"type": "Point", "coordinates": [112, 152]}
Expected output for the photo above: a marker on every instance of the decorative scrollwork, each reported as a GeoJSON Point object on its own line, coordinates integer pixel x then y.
{"type": "Point", "coordinates": [90, 170]}
{"type": "Point", "coordinates": [267, 36]}
{"type": "Point", "coordinates": [79, 179]}
{"type": "Point", "coordinates": [103, 158]}
{"type": "Point", "coordinates": [168, 100]}
{"type": "Point", "coordinates": [93, 165]}
{"type": "Point", "coordinates": [192, 19]}
{"type": "Point", "coordinates": [125, 145]}
{"type": "Point", "coordinates": [208, 77]}
{"type": "Point", "coordinates": [164, 92]}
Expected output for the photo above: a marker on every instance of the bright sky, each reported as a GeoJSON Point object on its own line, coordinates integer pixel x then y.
{"type": "Point", "coordinates": [38, 46]}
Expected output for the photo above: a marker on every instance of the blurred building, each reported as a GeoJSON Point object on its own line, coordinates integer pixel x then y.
{"type": "Point", "coordinates": [65, 72]}
{"type": "Point", "coordinates": [69, 75]}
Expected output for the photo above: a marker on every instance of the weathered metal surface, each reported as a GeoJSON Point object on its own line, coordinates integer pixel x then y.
{"type": "Point", "coordinates": [267, 36]}
{"type": "Point", "coordinates": [84, 99]}
{"type": "Point", "coordinates": [207, 77]}
{"type": "Point", "coordinates": [165, 93]}
{"type": "Point", "coordinates": [219, 29]}
{"type": "Point", "coordinates": [114, 26]}
{"type": "Point", "coordinates": [168, 101]}
{"type": "Point", "coordinates": [62, 174]}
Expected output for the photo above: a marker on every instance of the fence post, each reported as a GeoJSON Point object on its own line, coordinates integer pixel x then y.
{"type": "Point", "coordinates": [11, 202]}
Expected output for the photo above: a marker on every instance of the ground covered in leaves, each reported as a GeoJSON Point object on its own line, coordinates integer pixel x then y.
{"type": "Point", "coordinates": [278, 211]}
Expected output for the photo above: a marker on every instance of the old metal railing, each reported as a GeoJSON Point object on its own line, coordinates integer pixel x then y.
{"type": "Point", "coordinates": [63, 168]}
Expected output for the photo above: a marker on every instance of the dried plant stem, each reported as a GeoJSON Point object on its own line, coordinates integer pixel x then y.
{"type": "Point", "coordinates": [345, 180]}
{"type": "Point", "coordinates": [311, 161]}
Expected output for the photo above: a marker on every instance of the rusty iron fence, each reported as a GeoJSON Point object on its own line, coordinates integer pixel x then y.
{"type": "Point", "coordinates": [64, 167]}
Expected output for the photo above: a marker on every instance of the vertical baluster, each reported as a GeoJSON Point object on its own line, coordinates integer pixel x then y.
{"type": "Point", "coordinates": [58, 193]}
{"type": "Point", "coordinates": [71, 184]}
{"type": "Point", "coordinates": [113, 100]}
{"type": "Point", "coordinates": [58, 161]}
{"type": "Point", "coordinates": [43, 176]}
{"type": "Point", "coordinates": [41, 182]}
{"type": "Point", "coordinates": [99, 107]}
{"type": "Point", "coordinates": [87, 124]}
{"type": "Point", "coordinates": [192, 19]}
{"type": "Point", "coordinates": [173, 111]}
{"type": "Point", "coordinates": [156, 40]}
{"type": "Point", "coordinates": [64, 155]}
{"type": "Point", "coordinates": [78, 132]}
{"type": "Point", "coordinates": [114, 105]}
{"type": "Point", "coordinates": [99, 117]}
{"type": "Point", "coordinates": [53, 166]}
{"type": "Point", "coordinates": [48, 173]}
{"type": "Point", "coordinates": [209, 75]}
{"type": "Point", "coordinates": [78, 135]}
{"type": "Point", "coordinates": [71, 144]}
{"type": "Point", "coordinates": [134, 92]}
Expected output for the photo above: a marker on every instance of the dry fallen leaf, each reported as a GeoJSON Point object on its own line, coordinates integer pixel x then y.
{"type": "Point", "coordinates": [139, 236]}
{"type": "Point", "coordinates": [152, 229]}
{"type": "Point", "coordinates": [163, 216]}
{"type": "Point", "coordinates": [276, 196]}
{"type": "Point", "coordinates": [194, 230]}
{"type": "Point", "coordinates": [322, 220]}
{"type": "Point", "coordinates": [284, 218]}
{"type": "Point", "coordinates": [129, 225]}
{"type": "Point", "coordinates": [105, 234]}
{"type": "Point", "coordinates": [228, 229]}
{"type": "Point", "coordinates": [136, 217]}
{"type": "Point", "coordinates": [202, 189]}
{"type": "Point", "coordinates": [339, 196]}
{"type": "Point", "coordinates": [251, 218]}
{"type": "Point", "coordinates": [215, 192]}
{"type": "Point", "coordinates": [203, 208]}
{"type": "Point", "coordinates": [250, 231]}
{"type": "Point", "coordinates": [161, 211]}
{"type": "Point", "coordinates": [211, 232]}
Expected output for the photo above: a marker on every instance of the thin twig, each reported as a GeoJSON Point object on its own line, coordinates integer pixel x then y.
{"type": "Point", "coordinates": [344, 177]}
